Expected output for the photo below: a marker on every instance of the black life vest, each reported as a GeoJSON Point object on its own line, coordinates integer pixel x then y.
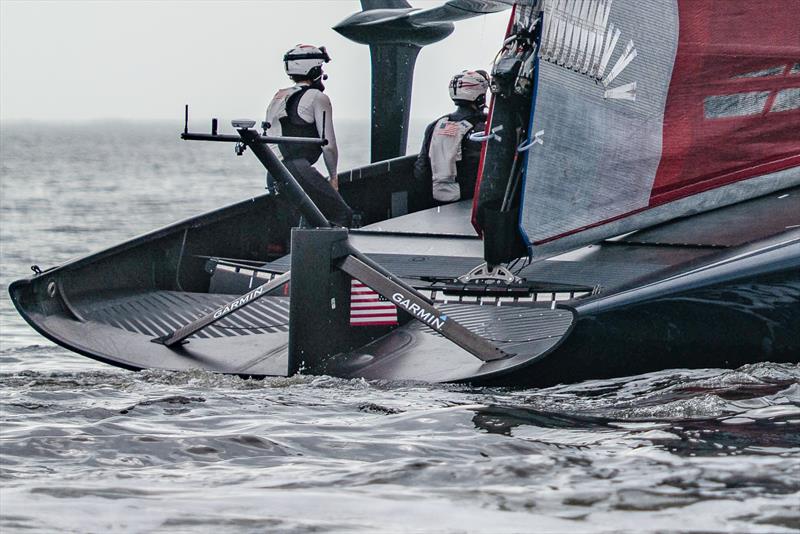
{"type": "Point", "coordinates": [294, 126]}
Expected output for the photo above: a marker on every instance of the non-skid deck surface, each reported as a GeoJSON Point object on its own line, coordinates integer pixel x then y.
{"type": "Point", "coordinates": [158, 313]}
{"type": "Point", "coordinates": [521, 332]}
{"type": "Point", "coordinates": [414, 352]}
{"type": "Point", "coordinates": [514, 329]}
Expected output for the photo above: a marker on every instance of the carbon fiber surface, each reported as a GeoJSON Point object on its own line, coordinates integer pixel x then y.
{"type": "Point", "coordinates": [513, 329]}
{"type": "Point", "coordinates": [158, 313]}
{"type": "Point", "coordinates": [728, 227]}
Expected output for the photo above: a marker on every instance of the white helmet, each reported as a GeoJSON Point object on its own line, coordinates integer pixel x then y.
{"type": "Point", "coordinates": [305, 60]}
{"type": "Point", "coordinates": [470, 86]}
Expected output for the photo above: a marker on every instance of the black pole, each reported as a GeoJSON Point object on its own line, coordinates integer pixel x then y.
{"type": "Point", "coordinates": [290, 187]}
{"type": "Point", "coordinates": [179, 335]}
{"type": "Point", "coordinates": [352, 251]}
{"type": "Point", "coordinates": [229, 138]}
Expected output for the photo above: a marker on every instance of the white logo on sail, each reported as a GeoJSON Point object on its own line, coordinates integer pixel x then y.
{"type": "Point", "coordinates": [578, 36]}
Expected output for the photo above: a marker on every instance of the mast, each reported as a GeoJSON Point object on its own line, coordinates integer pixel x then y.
{"type": "Point", "coordinates": [393, 46]}
{"type": "Point", "coordinates": [395, 33]}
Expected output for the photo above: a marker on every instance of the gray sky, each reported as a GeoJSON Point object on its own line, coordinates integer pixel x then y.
{"type": "Point", "coordinates": [69, 60]}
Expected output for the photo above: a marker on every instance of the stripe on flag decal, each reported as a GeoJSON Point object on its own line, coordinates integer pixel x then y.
{"type": "Point", "coordinates": [368, 308]}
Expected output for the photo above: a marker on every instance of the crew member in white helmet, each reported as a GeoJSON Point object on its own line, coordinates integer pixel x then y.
{"type": "Point", "coordinates": [304, 110]}
{"type": "Point", "coordinates": [448, 160]}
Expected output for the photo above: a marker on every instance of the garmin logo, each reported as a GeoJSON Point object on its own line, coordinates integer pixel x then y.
{"type": "Point", "coordinates": [430, 319]}
{"type": "Point", "coordinates": [238, 303]}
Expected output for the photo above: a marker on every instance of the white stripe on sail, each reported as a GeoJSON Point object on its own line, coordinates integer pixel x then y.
{"type": "Point", "coordinates": [611, 43]}
{"type": "Point", "coordinates": [562, 29]}
{"type": "Point", "coordinates": [569, 56]}
{"type": "Point", "coordinates": [575, 48]}
{"type": "Point", "coordinates": [607, 12]}
{"type": "Point", "coordinates": [571, 40]}
{"type": "Point", "coordinates": [601, 40]}
{"type": "Point", "coordinates": [624, 60]}
{"type": "Point", "coordinates": [623, 92]}
{"type": "Point", "coordinates": [583, 38]}
{"type": "Point", "coordinates": [594, 31]}
{"type": "Point", "coordinates": [587, 39]}
{"type": "Point", "coordinates": [546, 29]}
{"type": "Point", "coordinates": [558, 28]}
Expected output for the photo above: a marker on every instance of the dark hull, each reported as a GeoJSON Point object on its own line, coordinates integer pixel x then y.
{"type": "Point", "coordinates": [720, 289]}
{"type": "Point", "coordinates": [723, 323]}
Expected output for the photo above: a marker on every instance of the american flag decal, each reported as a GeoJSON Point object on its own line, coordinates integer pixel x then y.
{"type": "Point", "coordinates": [448, 128]}
{"type": "Point", "coordinates": [368, 308]}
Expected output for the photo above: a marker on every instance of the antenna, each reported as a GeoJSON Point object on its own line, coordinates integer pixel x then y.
{"type": "Point", "coordinates": [186, 120]}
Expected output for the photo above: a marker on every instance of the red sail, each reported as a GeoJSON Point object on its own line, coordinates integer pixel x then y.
{"type": "Point", "coordinates": [730, 113]}
{"type": "Point", "coordinates": [650, 110]}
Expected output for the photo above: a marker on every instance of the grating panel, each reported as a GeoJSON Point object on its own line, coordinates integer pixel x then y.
{"type": "Point", "coordinates": [158, 313]}
{"type": "Point", "coordinates": [511, 328]}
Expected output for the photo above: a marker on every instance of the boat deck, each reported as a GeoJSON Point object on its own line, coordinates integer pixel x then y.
{"type": "Point", "coordinates": [157, 313]}
{"type": "Point", "coordinates": [441, 243]}
{"type": "Point", "coordinates": [119, 328]}
{"type": "Point", "coordinates": [118, 325]}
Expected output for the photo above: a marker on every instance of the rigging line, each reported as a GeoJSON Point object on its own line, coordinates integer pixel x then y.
{"type": "Point", "coordinates": [180, 256]}
{"type": "Point", "coordinates": [527, 264]}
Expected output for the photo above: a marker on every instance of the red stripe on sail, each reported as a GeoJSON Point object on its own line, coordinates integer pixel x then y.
{"type": "Point", "coordinates": [727, 50]}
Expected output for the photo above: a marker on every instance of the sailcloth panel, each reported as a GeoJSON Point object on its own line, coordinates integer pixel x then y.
{"type": "Point", "coordinates": [710, 123]}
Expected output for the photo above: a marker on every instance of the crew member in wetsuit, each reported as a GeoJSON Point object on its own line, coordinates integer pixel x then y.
{"type": "Point", "coordinates": [305, 111]}
{"type": "Point", "coordinates": [448, 160]}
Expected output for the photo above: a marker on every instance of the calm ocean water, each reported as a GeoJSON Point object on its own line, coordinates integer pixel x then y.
{"type": "Point", "coordinates": [89, 448]}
